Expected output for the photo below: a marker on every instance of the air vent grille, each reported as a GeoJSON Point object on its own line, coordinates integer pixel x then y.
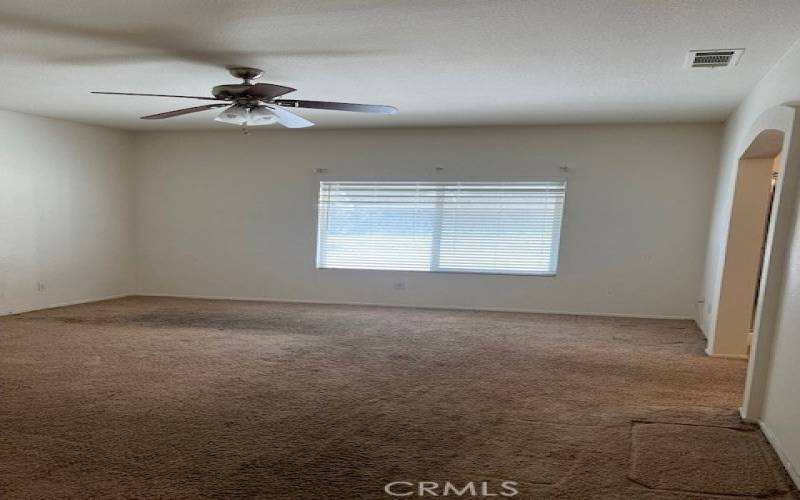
{"type": "Point", "coordinates": [713, 58]}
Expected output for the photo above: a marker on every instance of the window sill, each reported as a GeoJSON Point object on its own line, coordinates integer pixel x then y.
{"type": "Point", "coordinates": [443, 271]}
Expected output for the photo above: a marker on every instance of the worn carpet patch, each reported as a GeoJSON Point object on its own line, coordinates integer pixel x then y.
{"type": "Point", "coordinates": [704, 459]}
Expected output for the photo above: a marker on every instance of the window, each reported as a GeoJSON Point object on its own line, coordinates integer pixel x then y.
{"type": "Point", "coordinates": [481, 227]}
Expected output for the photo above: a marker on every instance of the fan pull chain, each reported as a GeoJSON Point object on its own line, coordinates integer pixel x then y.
{"type": "Point", "coordinates": [246, 119]}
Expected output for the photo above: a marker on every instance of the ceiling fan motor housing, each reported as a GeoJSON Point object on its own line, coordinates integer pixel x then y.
{"type": "Point", "coordinates": [238, 90]}
{"type": "Point", "coordinates": [246, 74]}
{"type": "Point", "coordinates": [232, 91]}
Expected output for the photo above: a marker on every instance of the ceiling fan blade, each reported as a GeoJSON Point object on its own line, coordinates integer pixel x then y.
{"type": "Point", "coordinates": [161, 95]}
{"type": "Point", "coordinates": [338, 106]}
{"type": "Point", "coordinates": [289, 119]}
{"type": "Point", "coordinates": [269, 91]}
{"type": "Point", "coordinates": [185, 111]}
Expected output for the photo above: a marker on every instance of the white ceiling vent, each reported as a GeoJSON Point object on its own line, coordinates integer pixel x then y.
{"type": "Point", "coordinates": [719, 58]}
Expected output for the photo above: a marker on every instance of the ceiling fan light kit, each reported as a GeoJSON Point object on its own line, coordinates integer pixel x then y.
{"type": "Point", "coordinates": [243, 115]}
{"type": "Point", "coordinates": [261, 115]}
{"type": "Point", "coordinates": [255, 104]}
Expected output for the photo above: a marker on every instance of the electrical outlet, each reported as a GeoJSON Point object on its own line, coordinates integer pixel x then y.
{"type": "Point", "coordinates": [40, 286]}
{"type": "Point", "coordinates": [399, 285]}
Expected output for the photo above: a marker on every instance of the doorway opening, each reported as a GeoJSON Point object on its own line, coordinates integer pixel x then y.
{"type": "Point", "coordinates": [748, 245]}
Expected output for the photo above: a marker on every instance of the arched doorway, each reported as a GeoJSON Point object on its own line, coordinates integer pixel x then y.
{"type": "Point", "coordinates": [758, 173]}
{"type": "Point", "coordinates": [772, 146]}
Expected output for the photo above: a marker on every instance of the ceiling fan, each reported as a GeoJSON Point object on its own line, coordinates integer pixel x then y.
{"type": "Point", "coordinates": [251, 104]}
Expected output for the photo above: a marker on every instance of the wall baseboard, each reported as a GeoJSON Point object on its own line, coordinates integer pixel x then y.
{"type": "Point", "coordinates": [415, 306]}
{"type": "Point", "coordinates": [65, 304]}
{"type": "Point", "coordinates": [747, 419]}
{"type": "Point", "coordinates": [773, 441]}
{"type": "Point", "coordinates": [726, 356]}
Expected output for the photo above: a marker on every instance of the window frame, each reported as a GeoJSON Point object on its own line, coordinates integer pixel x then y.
{"type": "Point", "coordinates": [435, 269]}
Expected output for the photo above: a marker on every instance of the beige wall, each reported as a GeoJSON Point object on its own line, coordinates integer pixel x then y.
{"type": "Point", "coordinates": [65, 210]}
{"type": "Point", "coordinates": [222, 214]}
{"type": "Point", "coordinates": [780, 413]}
{"type": "Point", "coordinates": [779, 86]}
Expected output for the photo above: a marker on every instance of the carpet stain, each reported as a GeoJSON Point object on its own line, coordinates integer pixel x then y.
{"type": "Point", "coordinates": [193, 399]}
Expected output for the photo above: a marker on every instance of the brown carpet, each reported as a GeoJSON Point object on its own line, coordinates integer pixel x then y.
{"type": "Point", "coordinates": [705, 452]}
{"type": "Point", "coordinates": [171, 398]}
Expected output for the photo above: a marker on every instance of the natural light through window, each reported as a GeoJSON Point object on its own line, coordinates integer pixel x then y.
{"type": "Point", "coordinates": [475, 227]}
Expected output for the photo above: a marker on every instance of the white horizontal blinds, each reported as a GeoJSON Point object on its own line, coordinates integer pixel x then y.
{"type": "Point", "coordinates": [503, 227]}
{"type": "Point", "coordinates": [376, 226]}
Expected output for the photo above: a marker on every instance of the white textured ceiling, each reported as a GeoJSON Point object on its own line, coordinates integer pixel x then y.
{"type": "Point", "coordinates": [442, 62]}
